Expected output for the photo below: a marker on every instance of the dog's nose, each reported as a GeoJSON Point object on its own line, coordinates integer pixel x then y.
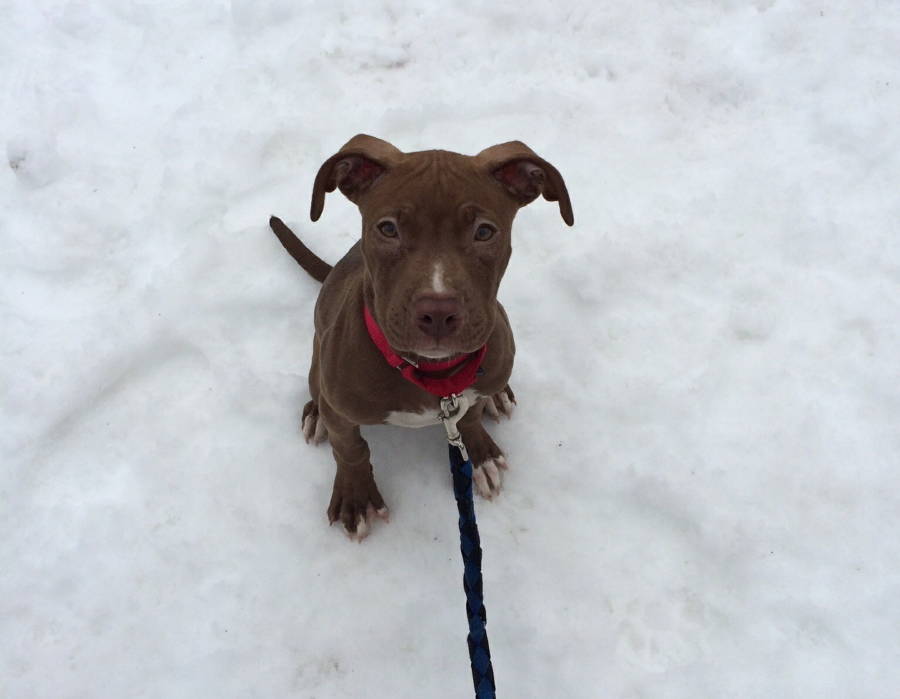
{"type": "Point", "coordinates": [438, 317]}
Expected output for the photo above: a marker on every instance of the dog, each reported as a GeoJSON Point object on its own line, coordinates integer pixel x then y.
{"type": "Point", "coordinates": [411, 311]}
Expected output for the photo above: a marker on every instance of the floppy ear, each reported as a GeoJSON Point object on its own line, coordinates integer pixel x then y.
{"type": "Point", "coordinates": [354, 168]}
{"type": "Point", "coordinates": [525, 175]}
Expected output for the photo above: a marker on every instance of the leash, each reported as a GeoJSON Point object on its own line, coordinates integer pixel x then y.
{"type": "Point", "coordinates": [432, 377]}
{"type": "Point", "coordinates": [453, 407]}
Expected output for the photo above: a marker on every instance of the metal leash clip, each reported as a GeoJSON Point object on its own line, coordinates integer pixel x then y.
{"type": "Point", "coordinates": [453, 407]}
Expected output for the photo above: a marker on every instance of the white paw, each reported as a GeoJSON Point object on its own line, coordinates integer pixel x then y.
{"type": "Point", "coordinates": [486, 477]}
{"type": "Point", "coordinates": [364, 523]}
{"type": "Point", "coordinates": [503, 403]}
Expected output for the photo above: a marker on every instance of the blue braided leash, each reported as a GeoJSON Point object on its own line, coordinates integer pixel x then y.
{"type": "Point", "coordinates": [470, 546]}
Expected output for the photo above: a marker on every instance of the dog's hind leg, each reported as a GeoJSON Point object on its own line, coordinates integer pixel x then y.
{"type": "Point", "coordinates": [311, 423]}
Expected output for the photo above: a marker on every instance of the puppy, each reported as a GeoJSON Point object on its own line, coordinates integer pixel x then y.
{"type": "Point", "coordinates": [410, 314]}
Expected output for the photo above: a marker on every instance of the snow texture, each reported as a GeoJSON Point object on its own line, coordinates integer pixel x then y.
{"type": "Point", "coordinates": [702, 500]}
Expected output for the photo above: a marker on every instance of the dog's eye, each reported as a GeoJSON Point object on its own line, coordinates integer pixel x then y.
{"type": "Point", "coordinates": [484, 232]}
{"type": "Point", "coordinates": [388, 229]}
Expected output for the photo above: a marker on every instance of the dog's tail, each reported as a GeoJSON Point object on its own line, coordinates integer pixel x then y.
{"type": "Point", "coordinates": [315, 266]}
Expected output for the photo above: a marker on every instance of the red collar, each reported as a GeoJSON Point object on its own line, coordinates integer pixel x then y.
{"type": "Point", "coordinates": [457, 383]}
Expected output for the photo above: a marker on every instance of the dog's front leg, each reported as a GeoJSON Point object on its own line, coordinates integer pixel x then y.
{"type": "Point", "coordinates": [487, 458]}
{"type": "Point", "coordinates": [355, 499]}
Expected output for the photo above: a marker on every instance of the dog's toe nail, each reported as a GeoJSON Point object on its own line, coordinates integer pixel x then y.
{"type": "Point", "coordinates": [490, 468]}
{"type": "Point", "coordinates": [362, 529]}
{"type": "Point", "coordinates": [384, 514]}
{"type": "Point", "coordinates": [480, 481]}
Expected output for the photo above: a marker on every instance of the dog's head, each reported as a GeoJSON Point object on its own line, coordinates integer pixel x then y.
{"type": "Point", "coordinates": [436, 232]}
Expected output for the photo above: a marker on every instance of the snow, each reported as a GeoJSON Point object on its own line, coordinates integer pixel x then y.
{"type": "Point", "coordinates": [702, 497]}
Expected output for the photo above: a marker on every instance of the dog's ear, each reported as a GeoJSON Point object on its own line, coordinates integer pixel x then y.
{"type": "Point", "coordinates": [525, 175]}
{"type": "Point", "coordinates": [353, 169]}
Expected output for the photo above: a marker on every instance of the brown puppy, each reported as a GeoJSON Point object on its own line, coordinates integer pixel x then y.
{"type": "Point", "coordinates": [435, 243]}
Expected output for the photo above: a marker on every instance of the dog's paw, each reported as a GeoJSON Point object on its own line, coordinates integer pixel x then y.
{"type": "Point", "coordinates": [501, 403]}
{"type": "Point", "coordinates": [312, 425]}
{"type": "Point", "coordinates": [357, 524]}
{"type": "Point", "coordinates": [486, 476]}
{"type": "Point", "coordinates": [356, 503]}
{"type": "Point", "coordinates": [487, 459]}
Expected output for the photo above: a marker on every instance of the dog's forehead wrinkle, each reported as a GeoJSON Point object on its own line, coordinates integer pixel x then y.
{"type": "Point", "coordinates": [432, 212]}
{"type": "Point", "coordinates": [432, 187]}
{"type": "Point", "coordinates": [436, 168]}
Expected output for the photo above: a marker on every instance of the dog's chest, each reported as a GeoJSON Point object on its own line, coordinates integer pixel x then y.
{"type": "Point", "coordinates": [426, 418]}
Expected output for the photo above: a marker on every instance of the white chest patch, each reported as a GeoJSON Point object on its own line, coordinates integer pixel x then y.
{"type": "Point", "coordinates": [427, 417]}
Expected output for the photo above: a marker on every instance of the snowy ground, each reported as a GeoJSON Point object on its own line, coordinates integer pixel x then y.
{"type": "Point", "coordinates": [704, 498]}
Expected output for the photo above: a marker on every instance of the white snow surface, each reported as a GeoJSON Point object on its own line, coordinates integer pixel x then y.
{"type": "Point", "coordinates": [703, 496]}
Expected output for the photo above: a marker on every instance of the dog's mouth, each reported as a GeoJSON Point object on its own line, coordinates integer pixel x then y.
{"type": "Point", "coordinates": [434, 355]}
{"type": "Point", "coordinates": [434, 350]}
